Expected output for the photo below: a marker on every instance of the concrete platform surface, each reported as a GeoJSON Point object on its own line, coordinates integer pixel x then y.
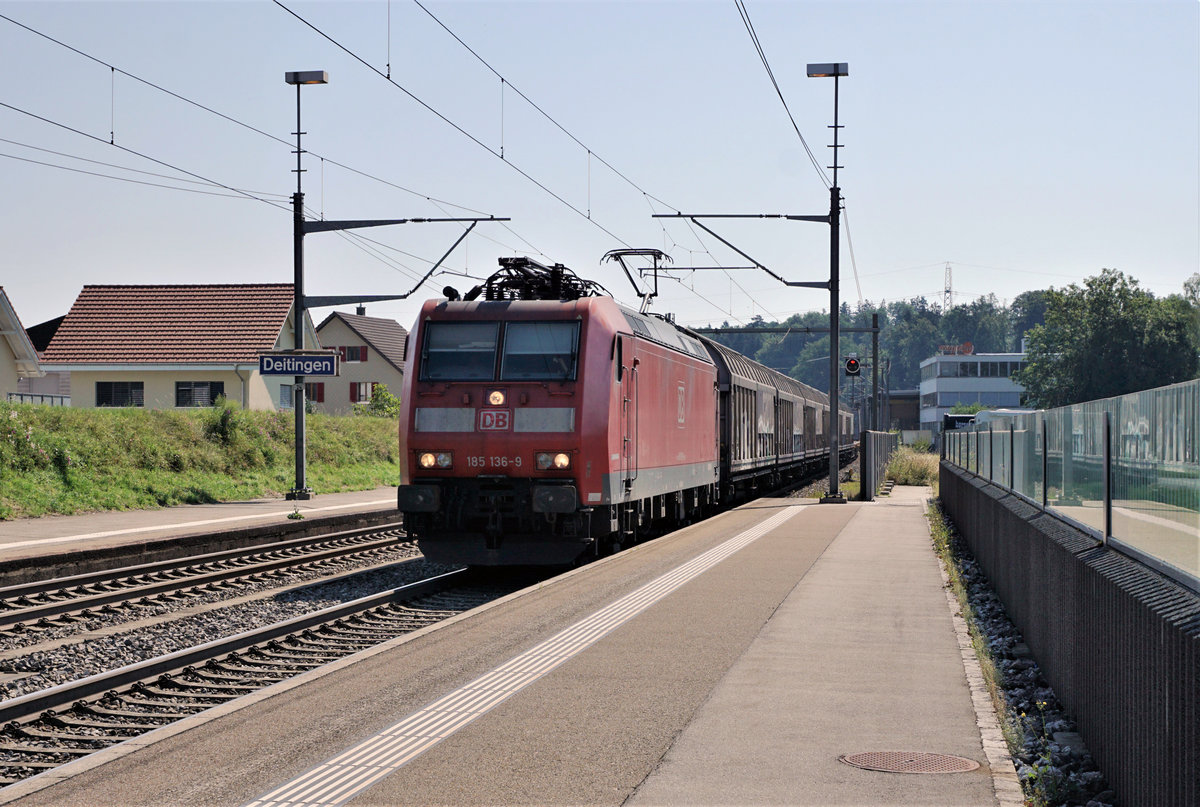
{"type": "Point", "coordinates": [730, 663]}
{"type": "Point", "coordinates": [31, 537]}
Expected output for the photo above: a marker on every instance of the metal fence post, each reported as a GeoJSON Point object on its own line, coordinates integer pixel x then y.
{"type": "Point", "coordinates": [991, 455]}
{"type": "Point", "coordinates": [1107, 475]}
{"type": "Point", "coordinates": [1012, 455]}
{"type": "Point", "coordinates": [1045, 466]}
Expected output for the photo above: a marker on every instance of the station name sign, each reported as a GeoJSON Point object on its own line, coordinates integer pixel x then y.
{"type": "Point", "coordinates": [323, 363]}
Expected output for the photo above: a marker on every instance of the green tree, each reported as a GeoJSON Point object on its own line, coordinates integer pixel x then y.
{"type": "Point", "coordinates": [1027, 311]}
{"type": "Point", "coordinates": [981, 322]}
{"type": "Point", "coordinates": [1108, 337]}
{"type": "Point", "coordinates": [911, 335]}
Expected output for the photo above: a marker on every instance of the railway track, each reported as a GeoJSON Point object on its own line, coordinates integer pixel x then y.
{"type": "Point", "coordinates": [60, 601]}
{"type": "Point", "coordinates": [47, 729]}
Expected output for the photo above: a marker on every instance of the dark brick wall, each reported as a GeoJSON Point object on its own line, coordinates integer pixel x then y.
{"type": "Point", "coordinates": [1119, 643]}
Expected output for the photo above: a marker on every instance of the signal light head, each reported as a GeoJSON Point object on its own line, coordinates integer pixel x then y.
{"type": "Point", "coordinates": [853, 367]}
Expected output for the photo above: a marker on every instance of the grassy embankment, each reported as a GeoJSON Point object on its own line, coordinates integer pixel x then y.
{"type": "Point", "coordinates": [913, 466]}
{"type": "Point", "coordinates": [64, 460]}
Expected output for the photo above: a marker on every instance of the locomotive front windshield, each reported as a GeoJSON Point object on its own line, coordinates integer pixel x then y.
{"type": "Point", "coordinates": [460, 351]}
{"type": "Point", "coordinates": [532, 351]}
{"type": "Point", "coordinates": [537, 351]}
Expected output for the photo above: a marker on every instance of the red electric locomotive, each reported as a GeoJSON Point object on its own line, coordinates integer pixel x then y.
{"type": "Point", "coordinates": [542, 419]}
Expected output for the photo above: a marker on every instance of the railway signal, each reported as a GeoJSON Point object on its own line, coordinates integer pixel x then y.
{"type": "Point", "coordinates": [853, 368]}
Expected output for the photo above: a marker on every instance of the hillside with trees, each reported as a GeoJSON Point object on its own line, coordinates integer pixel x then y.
{"type": "Point", "coordinates": [1106, 337]}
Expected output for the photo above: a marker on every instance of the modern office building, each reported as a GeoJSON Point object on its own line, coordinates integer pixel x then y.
{"type": "Point", "coordinates": [958, 375]}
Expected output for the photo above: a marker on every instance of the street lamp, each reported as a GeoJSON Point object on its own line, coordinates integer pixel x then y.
{"type": "Point", "coordinates": [836, 70]}
{"type": "Point", "coordinates": [301, 491]}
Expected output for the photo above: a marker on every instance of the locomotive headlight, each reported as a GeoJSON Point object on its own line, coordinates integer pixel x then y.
{"type": "Point", "coordinates": [441, 459]}
{"type": "Point", "coordinates": [549, 460]}
{"type": "Point", "coordinates": [496, 397]}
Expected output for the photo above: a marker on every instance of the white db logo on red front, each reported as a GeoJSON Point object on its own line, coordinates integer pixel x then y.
{"type": "Point", "coordinates": [494, 419]}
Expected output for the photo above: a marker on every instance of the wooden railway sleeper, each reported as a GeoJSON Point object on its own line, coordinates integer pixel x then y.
{"type": "Point", "coordinates": [265, 670]}
{"type": "Point", "coordinates": [67, 720]}
{"type": "Point", "coordinates": [187, 686]}
{"type": "Point", "coordinates": [175, 702]}
{"type": "Point", "coordinates": [352, 631]}
{"type": "Point", "coordinates": [321, 639]}
{"type": "Point", "coordinates": [28, 764]}
{"type": "Point", "coordinates": [256, 661]}
{"type": "Point", "coordinates": [198, 696]}
{"type": "Point", "coordinates": [96, 709]}
{"type": "Point", "coordinates": [216, 671]}
{"type": "Point", "coordinates": [218, 679]}
{"type": "Point", "coordinates": [309, 658]}
{"type": "Point", "coordinates": [16, 748]}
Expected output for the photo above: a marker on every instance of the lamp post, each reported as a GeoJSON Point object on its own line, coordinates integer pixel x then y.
{"type": "Point", "coordinates": [301, 491]}
{"type": "Point", "coordinates": [836, 70]}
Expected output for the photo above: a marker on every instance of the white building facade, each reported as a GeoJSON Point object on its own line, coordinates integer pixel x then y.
{"type": "Point", "coordinates": [957, 377]}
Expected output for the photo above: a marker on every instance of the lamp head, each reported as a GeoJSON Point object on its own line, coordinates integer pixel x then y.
{"type": "Point", "coordinates": [827, 69]}
{"type": "Point", "coordinates": [306, 77]}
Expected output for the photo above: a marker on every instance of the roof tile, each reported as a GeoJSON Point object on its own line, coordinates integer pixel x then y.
{"type": "Point", "coordinates": [218, 324]}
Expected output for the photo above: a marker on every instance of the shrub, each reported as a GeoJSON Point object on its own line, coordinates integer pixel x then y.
{"type": "Point", "coordinates": [911, 467]}
{"type": "Point", "coordinates": [383, 404]}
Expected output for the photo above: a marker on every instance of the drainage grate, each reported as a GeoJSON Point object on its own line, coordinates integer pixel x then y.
{"type": "Point", "coordinates": [909, 762]}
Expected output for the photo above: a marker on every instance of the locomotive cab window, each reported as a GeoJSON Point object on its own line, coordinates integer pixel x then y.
{"type": "Point", "coordinates": [537, 351]}
{"type": "Point", "coordinates": [459, 351]}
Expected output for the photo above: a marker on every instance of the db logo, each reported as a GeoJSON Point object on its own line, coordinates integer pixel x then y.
{"type": "Point", "coordinates": [494, 419]}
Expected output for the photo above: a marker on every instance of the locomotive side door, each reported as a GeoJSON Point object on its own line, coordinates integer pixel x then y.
{"type": "Point", "coordinates": [626, 354]}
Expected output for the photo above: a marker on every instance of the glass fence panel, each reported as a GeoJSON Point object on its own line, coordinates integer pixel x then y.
{"type": "Point", "coordinates": [1079, 493]}
{"type": "Point", "coordinates": [1000, 455]}
{"type": "Point", "coordinates": [1156, 473]}
{"type": "Point", "coordinates": [1027, 456]}
{"type": "Point", "coordinates": [1153, 460]}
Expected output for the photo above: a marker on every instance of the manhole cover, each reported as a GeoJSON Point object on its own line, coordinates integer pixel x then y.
{"type": "Point", "coordinates": [909, 762]}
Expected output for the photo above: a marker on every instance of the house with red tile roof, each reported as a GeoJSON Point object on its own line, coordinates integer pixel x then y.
{"type": "Point", "coordinates": [165, 347]}
{"type": "Point", "coordinates": [18, 358]}
{"type": "Point", "coordinates": [371, 352]}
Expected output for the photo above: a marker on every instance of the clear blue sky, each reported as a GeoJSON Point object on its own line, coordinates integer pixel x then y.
{"type": "Point", "coordinates": [1026, 144]}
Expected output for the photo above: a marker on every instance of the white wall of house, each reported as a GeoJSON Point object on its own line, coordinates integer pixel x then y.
{"type": "Point", "coordinates": [245, 386]}
{"type": "Point", "coordinates": [363, 374]}
{"type": "Point", "coordinates": [8, 370]}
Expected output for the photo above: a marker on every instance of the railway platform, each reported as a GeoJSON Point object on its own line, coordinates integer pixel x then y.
{"type": "Point", "coordinates": [64, 543]}
{"type": "Point", "coordinates": [743, 660]}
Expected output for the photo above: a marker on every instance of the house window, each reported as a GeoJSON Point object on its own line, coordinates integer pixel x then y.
{"type": "Point", "coordinates": [198, 393]}
{"type": "Point", "coordinates": [353, 352]}
{"type": "Point", "coordinates": [285, 396]}
{"type": "Point", "coordinates": [314, 391]}
{"type": "Point", "coordinates": [360, 391]}
{"type": "Point", "coordinates": [119, 393]}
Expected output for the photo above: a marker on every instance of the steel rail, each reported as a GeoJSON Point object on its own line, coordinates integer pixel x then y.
{"type": "Point", "coordinates": [42, 586]}
{"type": "Point", "coordinates": [67, 694]}
{"type": "Point", "coordinates": [21, 616]}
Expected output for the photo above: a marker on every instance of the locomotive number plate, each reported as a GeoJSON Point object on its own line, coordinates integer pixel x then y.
{"type": "Point", "coordinates": [495, 420]}
{"type": "Point", "coordinates": [493, 462]}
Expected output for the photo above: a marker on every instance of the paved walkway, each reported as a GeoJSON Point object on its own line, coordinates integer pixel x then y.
{"type": "Point", "coordinates": [819, 631]}
{"type": "Point", "coordinates": [31, 537]}
{"type": "Point", "coordinates": [861, 657]}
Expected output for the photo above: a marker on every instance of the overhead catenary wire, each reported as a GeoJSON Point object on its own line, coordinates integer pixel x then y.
{"type": "Point", "coordinates": [585, 214]}
{"type": "Point", "coordinates": [228, 118]}
{"type": "Point", "coordinates": [144, 156]}
{"type": "Point", "coordinates": [263, 196]}
{"type": "Point", "coordinates": [762, 55]}
{"type": "Point", "coordinates": [441, 204]}
{"type": "Point", "coordinates": [428, 107]}
{"type": "Point", "coordinates": [117, 167]}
